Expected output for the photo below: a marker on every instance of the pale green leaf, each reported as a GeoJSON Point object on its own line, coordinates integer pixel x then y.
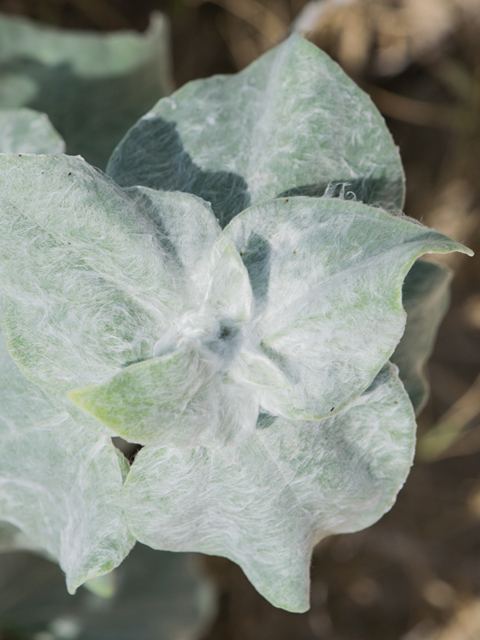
{"type": "Point", "coordinates": [59, 484]}
{"type": "Point", "coordinates": [156, 596]}
{"type": "Point", "coordinates": [229, 294]}
{"type": "Point", "coordinates": [260, 370]}
{"type": "Point", "coordinates": [92, 86]}
{"type": "Point", "coordinates": [179, 399]}
{"type": "Point", "coordinates": [26, 131]}
{"type": "Point", "coordinates": [291, 123]}
{"type": "Point", "coordinates": [93, 275]}
{"type": "Point", "coordinates": [266, 502]}
{"type": "Point", "coordinates": [327, 279]}
{"type": "Point", "coordinates": [426, 296]}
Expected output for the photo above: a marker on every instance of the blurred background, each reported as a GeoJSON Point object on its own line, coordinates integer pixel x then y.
{"type": "Point", "coordinates": [416, 574]}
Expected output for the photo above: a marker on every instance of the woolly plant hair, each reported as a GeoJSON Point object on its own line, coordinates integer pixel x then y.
{"type": "Point", "coordinates": [229, 297]}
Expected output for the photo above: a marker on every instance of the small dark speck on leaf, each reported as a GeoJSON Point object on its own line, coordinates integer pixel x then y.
{"type": "Point", "coordinates": [286, 200]}
{"type": "Point", "coordinates": [69, 173]}
{"type": "Point", "coordinates": [295, 252]}
{"type": "Point", "coordinates": [332, 409]}
{"type": "Point", "coordinates": [242, 252]}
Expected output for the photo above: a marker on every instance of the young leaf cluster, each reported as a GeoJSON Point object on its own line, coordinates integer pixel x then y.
{"type": "Point", "coordinates": [229, 297]}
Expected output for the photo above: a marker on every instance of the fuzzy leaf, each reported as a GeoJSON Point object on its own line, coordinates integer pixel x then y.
{"type": "Point", "coordinates": [92, 86]}
{"type": "Point", "coordinates": [291, 123]}
{"type": "Point", "coordinates": [93, 276]}
{"type": "Point", "coordinates": [260, 370]}
{"type": "Point", "coordinates": [327, 278]}
{"type": "Point", "coordinates": [179, 399]}
{"type": "Point", "coordinates": [328, 314]}
{"type": "Point", "coordinates": [26, 131]}
{"type": "Point", "coordinates": [59, 484]}
{"type": "Point", "coordinates": [266, 502]}
{"type": "Point", "coordinates": [229, 293]}
{"type": "Point", "coordinates": [426, 295]}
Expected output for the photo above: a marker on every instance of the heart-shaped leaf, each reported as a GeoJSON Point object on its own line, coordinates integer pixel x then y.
{"type": "Point", "coordinates": [327, 278]}
{"type": "Point", "coordinates": [291, 123]}
{"type": "Point", "coordinates": [267, 501]}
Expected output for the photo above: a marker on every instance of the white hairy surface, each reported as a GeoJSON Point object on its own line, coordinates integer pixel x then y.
{"type": "Point", "coordinates": [93, 275]}
{"type": "Point", "coordinates": [327, 279]}
{"type": "Point", "coordinates": [59, 484]}
{"type": "Point", "coordinates": [27, 131]}
{"type": "Point", "coordinates": [292, 122]}
{"type": "Point", "coordinates": [299, 310]}
{"type": "Point", "coordinates": [266, 502]}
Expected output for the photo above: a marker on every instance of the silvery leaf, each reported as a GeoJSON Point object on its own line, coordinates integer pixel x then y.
{"type": "Point", "coordinates": [59, 483]}
{"type": "Point", "coordinates": [291, 123]}
{"type": "Point", "coordinates": [26, 131]}
{"type": "Point", "coordinates": [300, 328]}
{"type": "Point", "coordinates": [179, 399]}
{"type": "Point", "coordinates": [94, 275]}
{"type": "Point", "coordinates": [327, 278]}
{"type": "Point", "coordinates": [265, 502]}
{"type": "Point", "coordinates": [426, 296]}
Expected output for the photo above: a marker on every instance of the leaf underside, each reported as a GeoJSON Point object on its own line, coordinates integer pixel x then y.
{"type": "Point", "coordinates": [425, 297]}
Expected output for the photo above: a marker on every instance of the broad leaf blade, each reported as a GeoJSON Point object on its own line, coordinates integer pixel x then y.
{"type": "Point", "coordinates": [94, 278]}
{"type": "Point", "coordinates": [188, 228]}
{"type": "Point", "coordinates": [327, 277]}
{"type": "Point", "coordinates": [425, 297]}
{"type": "Point", "coordinates": [292, 122]}
{"type": "Point", "coordinates": [60, 484]}
{"type": "Point", "coordinates": [26, 131]}
{"type": "Point", "coordinates": [266, 502]}
{"type": "Point", "coordinates": [92, 86]}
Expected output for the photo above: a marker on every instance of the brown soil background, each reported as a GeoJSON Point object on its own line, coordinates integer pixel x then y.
{"type": "Point", "coordinates": [416, 574]}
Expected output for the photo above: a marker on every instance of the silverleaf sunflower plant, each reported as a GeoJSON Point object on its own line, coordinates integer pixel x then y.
{"type": "Point", "coordinates": [229, 296]}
